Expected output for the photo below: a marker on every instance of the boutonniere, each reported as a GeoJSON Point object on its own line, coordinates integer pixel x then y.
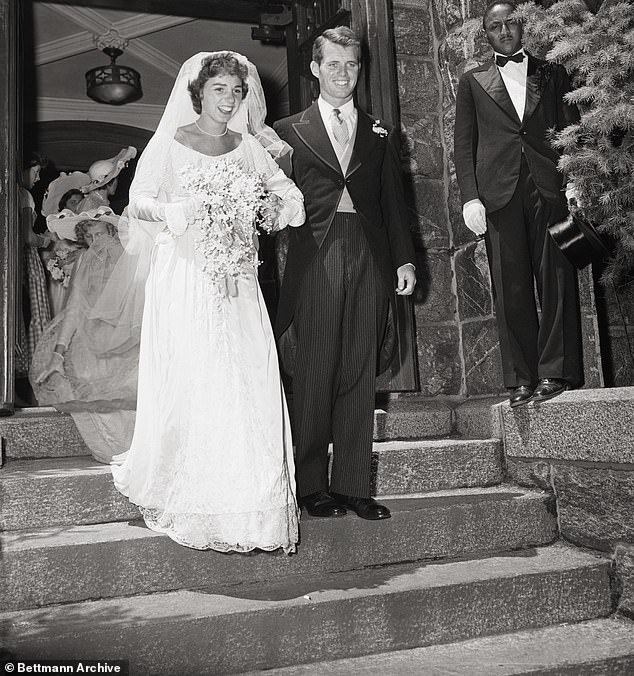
{"type": "Point", "coordinates": [377, 128]}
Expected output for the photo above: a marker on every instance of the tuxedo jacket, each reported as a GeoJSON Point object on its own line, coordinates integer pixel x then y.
{"type": "Point", "coordinates": [374, 182]}
{"type": "Point", "coordinates": [489, 137]}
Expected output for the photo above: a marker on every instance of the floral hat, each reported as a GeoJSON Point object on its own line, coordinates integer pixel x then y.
{"type": "Point", "coordinates": [59, 187]}
{"type": "Point", "coordinates": [102, 172]}
{"type": "Point", "coordinates": [63, 224]}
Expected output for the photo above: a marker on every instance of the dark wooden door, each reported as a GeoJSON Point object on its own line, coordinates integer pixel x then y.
{"type": "Point", "coordinates": [10, 161]}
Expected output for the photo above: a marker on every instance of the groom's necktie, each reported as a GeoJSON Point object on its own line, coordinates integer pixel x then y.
{"type": "Point", "coordinates": [340, 128]}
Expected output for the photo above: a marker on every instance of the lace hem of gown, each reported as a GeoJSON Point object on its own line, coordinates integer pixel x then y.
{"type": "Point", "coordinates": [200, 531]}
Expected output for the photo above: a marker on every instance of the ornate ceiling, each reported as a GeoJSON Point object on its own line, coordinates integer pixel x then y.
{"type": "Point", "coordinates": [64, 49]}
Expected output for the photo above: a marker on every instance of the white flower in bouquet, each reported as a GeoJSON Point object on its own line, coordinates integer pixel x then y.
{"type": "Point", "coordinates": [57, 272]}
{"type": "Point", "coordinates": [232, 203]}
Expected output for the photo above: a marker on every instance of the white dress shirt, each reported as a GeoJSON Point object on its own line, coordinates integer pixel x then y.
{"type": "Point", "coordinates": [350, 116]}
{"type": "Point", "coordinates": [514, 77]}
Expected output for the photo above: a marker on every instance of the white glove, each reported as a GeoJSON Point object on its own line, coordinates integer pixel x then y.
{"type": "Point", "coordinates": [475, 216]}
{"type": "Point", "coordinates": [179, 215]}
{"type": "Point", "coordinates": [572, 195]}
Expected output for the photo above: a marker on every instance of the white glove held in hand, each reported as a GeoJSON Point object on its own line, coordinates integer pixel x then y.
{"type": "Point", "coordinates": [475, 216]}
{"type": "Point", "coordinates": [572, 195]}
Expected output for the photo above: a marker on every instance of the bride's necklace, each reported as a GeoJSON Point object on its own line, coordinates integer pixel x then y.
{"type": "Point", "coordinates": [209, 134]}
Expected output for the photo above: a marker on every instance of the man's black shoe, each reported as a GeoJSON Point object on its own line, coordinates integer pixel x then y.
{"type": "Point", "coordinates": [366, 508]}
{"type": "Point", "coordinates": [547, 388]}
{"type": "Point", "coordinates": [322, 504]}
{"type": "Point", "coordinates": [520, 395]}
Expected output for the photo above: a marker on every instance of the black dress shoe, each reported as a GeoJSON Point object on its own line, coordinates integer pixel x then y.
{"type": "Point", "coordinates": [366, 508]}
{"type": "Point", "coordinates": [547, 388]}
{"type": "Point", "coordinates": [520, 395]}
{"type": "Point", "coordinates": [322, 504]}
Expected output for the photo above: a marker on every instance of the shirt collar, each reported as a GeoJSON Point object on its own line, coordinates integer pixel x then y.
{"type": "Point", "coordinates": [326, 108]}
{"type": "Point", "coordinates": [519, 51]}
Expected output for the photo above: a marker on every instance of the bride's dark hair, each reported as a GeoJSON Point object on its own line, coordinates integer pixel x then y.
{"type": "Point", "coordinates": [219, 64]}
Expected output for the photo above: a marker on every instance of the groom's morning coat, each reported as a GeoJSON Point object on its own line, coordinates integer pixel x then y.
{"type": "Point", "coordinates": [490, 138]}
{"type": "Point", "coordinates": [374, 181]}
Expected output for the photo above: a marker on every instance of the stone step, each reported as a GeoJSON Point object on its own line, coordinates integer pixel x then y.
{"type": "Point", "coordinates": [46, 433]}
{"type": "Point", "coordinates": [40, 433]}
{"type": "Point", "coordinates": [308, 619]}
{"type": "Point", "coordinates": [584, 649]}
{"type": "Point", "coordinates": [73, 563]}
{"type": "Point", "coordinates": [79, 490]}
{"type": "Point", "coordinates": [581, 425]}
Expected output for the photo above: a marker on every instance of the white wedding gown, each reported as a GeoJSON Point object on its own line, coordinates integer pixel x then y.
{"type": "Point", "coordinates": [211, 460]}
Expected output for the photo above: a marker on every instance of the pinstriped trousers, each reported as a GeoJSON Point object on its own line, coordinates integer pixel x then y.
{"type": "Point", "coordinates": [340, 319]}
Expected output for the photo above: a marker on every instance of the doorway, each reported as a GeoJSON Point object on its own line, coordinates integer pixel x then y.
{"type": "Point", "coordinates": [288, 91]}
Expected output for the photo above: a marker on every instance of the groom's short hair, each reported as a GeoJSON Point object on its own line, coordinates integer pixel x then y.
{"type": "Point", "coordinates": [340, 35]}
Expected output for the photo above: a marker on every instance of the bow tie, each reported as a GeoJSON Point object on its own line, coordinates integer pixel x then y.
{"type": "Point", "coordinates": [501, 61]}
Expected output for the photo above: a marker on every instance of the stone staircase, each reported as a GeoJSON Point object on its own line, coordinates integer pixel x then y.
{"type": "Point", "coordinates": [468, 577]}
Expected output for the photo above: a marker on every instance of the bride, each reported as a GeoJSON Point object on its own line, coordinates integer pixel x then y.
{"type": "Point", "coordinates": [211, 461]}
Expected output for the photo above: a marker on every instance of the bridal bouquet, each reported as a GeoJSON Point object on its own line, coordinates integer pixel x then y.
{"type": "Point", "coordinates": [55, 266]}
{"type": "Point", "coordinates": [232, 203]}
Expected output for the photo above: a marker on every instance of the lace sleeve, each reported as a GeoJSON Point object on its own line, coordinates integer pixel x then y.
{"type": "Point", "coordinates": [292, 208]}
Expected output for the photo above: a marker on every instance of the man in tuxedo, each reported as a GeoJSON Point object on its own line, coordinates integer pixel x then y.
{"type": "Point", "coordinates": [342, 268]}
{"type": "Point", "coordinates": [511, 191]}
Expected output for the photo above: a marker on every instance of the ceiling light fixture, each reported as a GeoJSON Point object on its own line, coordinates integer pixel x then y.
{"type": "Point", "coordinates": [113, 84]}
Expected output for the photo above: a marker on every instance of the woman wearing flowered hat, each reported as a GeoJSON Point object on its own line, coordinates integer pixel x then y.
{"type": "Point", "coordinates": [75, 367]}
{"type": "Point", "coordinates": [104, 179]}
{"type": "Point", "coordinates": [59, 260]}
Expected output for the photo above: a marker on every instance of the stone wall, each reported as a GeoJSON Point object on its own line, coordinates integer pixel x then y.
{"type": "Point", "coordinates": [580, 446]}
{"type": "Point", "coordinates": [436, 41]}
{"type": "Point", "coordinates": [456, 333]}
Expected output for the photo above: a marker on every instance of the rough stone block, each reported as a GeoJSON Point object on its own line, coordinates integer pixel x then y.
{"type": "Point", "coordinates": [422, 148]}
{"type": "Point", "coordinates": [532, 474]}
{"type": "Point", "coordinates": [592, 363]}
{"type": "Point", "coordinates": [427, 200]}
{"type": "Point", "coordinates": [440, 301]}
{"type": "Point", "coordinates": [60, 491]}
{"type": "Point", "coordinates": [595, 506]}
{"type": "Point", "coordinates": [410, 417]}
{"type": "Point", "coordinates": [483, 365]}
{"type": "Point", "coordinates": [315, 618]}
{"type": "Point", "coordinates": [479, 418]}
{"type": "Point", "coordinates": [594, 648]}
{"type": "Point", "coordinates": [624, 560]}
{"type": "Point", "coordinates": [438, 358]}
{"type": "Point", "coordinates": [412, 30]}
{"type": "Point", "coordinates": [64, 564]}
{"type": "Point", "coordinates": [592, 425]}
{"type": "Point", "coordinates": [401, 467]}
{"type": "Point", "coordinates": [418, 86]}
{"type": "Point", "coordinates": [473, 282]}
{"type": "Point", "coordinates": [618, 365]}
{"type": "Point", "coordinates": [39, 433]}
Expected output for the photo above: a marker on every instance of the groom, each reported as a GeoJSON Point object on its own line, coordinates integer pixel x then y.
{"type": "Point", "coordinates": [511, 191]}
{"type": "Point", "coordinates": [341, 271]}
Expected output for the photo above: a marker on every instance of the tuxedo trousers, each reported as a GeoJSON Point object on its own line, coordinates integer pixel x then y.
{"type": "Point", "coordinates": [340, 321]}
{"type": "Point", "coordinates": [524, 257]}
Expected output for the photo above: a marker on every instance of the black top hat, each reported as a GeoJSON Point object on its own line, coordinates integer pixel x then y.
{"type": "Point", "coordinates": [579, 241]}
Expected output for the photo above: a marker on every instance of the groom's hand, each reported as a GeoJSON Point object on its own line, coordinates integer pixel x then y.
{"type": "Point", "coordinates": [406, 279]}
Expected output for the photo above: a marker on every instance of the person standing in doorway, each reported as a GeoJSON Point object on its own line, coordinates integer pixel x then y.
{"type": "Point", "coordinates": [511, 192]}
{"type": "Point", "coordinates": [341, 271]}
{"type": "Point", "coordinates": [104, 179]}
